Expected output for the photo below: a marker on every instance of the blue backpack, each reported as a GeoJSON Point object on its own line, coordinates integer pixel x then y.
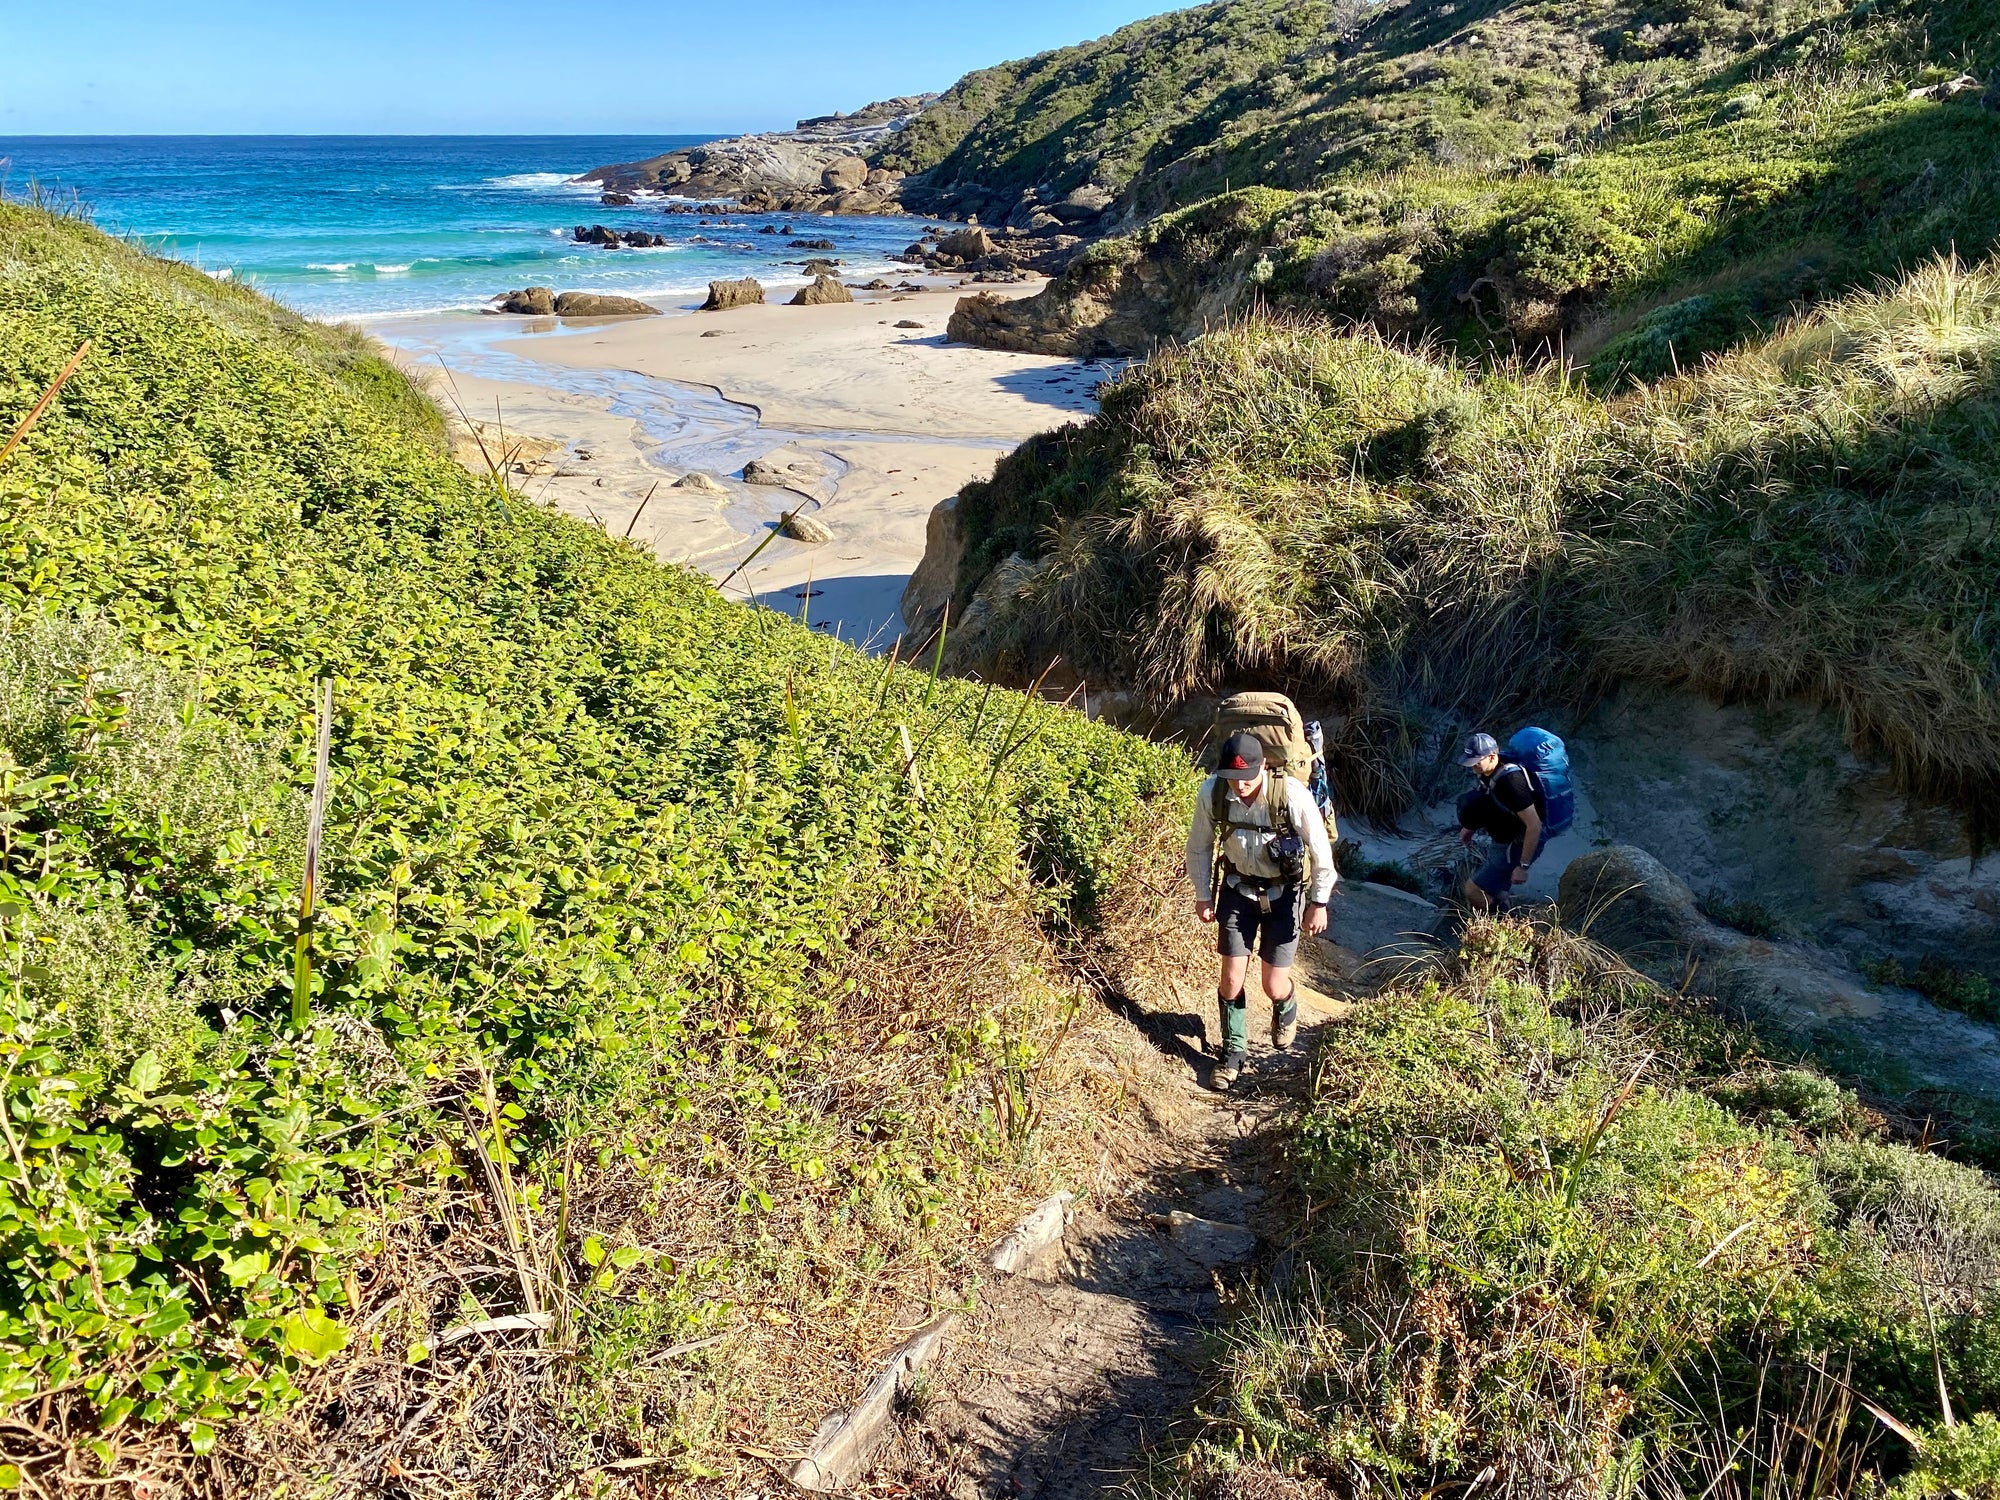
{"type": "Point", "coordinates": [1543, 755]}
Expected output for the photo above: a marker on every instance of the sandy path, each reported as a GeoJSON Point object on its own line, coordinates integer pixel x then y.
{"type": "Point", "coordinates": [882, 421]}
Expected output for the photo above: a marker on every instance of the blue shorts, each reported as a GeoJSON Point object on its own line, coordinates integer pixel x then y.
{"type": "Point", "coordinates": [1496, 876]}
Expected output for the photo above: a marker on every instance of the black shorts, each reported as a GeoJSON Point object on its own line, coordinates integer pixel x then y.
{"type": "Point", "coordinates": [1243, 927]}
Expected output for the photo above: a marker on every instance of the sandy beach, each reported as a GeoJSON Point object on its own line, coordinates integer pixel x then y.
{"type": "Point", "coordinates": [870, 423]}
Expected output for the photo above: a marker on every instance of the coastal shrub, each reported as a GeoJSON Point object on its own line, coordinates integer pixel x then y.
{"type": "Point", "coordinates": [1542, 1251]}
{"type": "Point", "coordinates": [647, 981]}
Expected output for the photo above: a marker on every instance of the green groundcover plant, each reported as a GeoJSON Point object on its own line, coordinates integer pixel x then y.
{"type": "Point", "coordinates": [599, 847]}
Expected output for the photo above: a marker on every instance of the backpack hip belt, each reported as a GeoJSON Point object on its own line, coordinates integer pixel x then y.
{"type": "Point", "coordinates": [1263, 892]}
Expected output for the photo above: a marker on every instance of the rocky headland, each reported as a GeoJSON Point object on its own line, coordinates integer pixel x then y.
{"type": "Point", "coordinates": [820, 166]}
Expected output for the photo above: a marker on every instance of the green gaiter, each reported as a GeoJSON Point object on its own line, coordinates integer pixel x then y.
{"type": "Point", "coordinates": [1236, 1022]}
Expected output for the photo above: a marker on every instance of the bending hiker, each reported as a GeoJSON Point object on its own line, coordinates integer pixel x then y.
{"type": "Point", "coordinates": [1262, 868]}
{"type": "Point", "coordinates": [1524, 798]}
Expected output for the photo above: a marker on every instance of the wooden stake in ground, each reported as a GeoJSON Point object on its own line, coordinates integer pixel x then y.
{"type": "Point", "coordinates": [35, 412]}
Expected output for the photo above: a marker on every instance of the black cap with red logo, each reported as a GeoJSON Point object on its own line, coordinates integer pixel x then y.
{"type": "Point", "coordinates": [1242, 757]}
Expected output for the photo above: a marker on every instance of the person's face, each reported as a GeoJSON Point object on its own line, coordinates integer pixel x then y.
{"type": "Point", "coordinates": [1244, 789]}
{"type": "Point", "coordinates": [1487, 765]}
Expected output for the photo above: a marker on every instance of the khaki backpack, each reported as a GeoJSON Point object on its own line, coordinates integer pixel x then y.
{"type": "Point", "coordinates": [1281, 730]}
{"type": "Point", "coordinates": [1275, 720]}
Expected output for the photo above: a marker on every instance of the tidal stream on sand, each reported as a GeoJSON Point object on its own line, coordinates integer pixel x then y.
{"type": "Point", "coordinates": [627, 434]}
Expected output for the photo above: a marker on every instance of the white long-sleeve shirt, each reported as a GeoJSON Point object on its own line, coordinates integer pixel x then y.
{"type": "Point", "coordinates": [1245, 852]}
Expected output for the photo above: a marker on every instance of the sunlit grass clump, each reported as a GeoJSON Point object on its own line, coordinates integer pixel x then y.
{"type": "Point", "coordinates": [1406, 536]}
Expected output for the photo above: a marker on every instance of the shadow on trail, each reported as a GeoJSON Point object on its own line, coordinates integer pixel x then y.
{"type": "Point", "coordinates": [1077, 1376]}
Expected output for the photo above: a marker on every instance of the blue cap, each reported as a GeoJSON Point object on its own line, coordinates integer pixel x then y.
{"type": "Point", "coordinates": [1476, 748]}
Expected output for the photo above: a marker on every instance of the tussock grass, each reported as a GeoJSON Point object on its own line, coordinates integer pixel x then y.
{"type": "Point", "coordinates": [1416, 541]}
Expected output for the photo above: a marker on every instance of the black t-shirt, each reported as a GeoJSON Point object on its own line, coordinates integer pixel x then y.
{"type": "Point", "coordinates": [1514, 790]}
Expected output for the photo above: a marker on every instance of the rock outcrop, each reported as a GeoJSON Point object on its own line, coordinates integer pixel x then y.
{"type": "Point", "coordinates": [1769, 803]}
{"type": "Point", "coordinates": [601, 305]}
{"type": "Point", "coordinates": [934, 582]}
{"type": "Point", "coordinates": [700, 483]}
{"type": "Point", "coordinates": [725, 294]}
{"type": "Point", "coordinates": [844, 174]}
{"type": "Point", "coordinates": [820, 166]}
{"type": "Point", "coordinates": [967, 244]}
{"type": "Point", "coordinates": [1122, 298]}
{"type": "Point", "coordinates": [823, 289]}
{"type": "Point", "coordinates": [534, 301]}
{"type": "Point", "coordinates": [1627, 900]}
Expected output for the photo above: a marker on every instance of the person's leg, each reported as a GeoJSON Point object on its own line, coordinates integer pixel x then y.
{"type": "Point", "coordinates": [1236, 924]}
{"type": "Point", "coordinates": [1279, 951]}
{"type": "Point", "coordinates": [1490, 884]}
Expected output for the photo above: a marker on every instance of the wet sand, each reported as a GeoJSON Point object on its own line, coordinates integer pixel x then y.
{"type": "Point", "coordinates": [873, 424]}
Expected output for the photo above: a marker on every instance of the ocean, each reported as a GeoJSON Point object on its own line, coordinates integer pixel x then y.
{"type": "Point", "coordinates": [360, 227]}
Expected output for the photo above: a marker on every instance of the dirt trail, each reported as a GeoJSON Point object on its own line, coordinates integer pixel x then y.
{"type": "Point", "coordinates": [1065, 1381]}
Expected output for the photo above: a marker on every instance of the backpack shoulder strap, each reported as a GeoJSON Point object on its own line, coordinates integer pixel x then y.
{"type": "Point", "coordinates": [1278, 804]}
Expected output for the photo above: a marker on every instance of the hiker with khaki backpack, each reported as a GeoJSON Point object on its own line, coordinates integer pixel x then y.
{"type": "Point", "coordinates": [1261, 862]}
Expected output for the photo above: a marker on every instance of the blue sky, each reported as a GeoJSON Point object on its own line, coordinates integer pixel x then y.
{"type": "Point", "coordinates": [118, 67]}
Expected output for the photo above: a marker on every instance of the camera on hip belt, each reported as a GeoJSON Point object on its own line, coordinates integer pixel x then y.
{"type": "Point", "coordinates": [1288, 853]}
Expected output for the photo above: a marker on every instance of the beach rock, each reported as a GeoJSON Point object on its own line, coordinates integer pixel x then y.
{"type": "Point", "coordinates": [599, 305]}
{"type": "Point", "coordinates": [723, 294]}
{"type": "Point", "coordinates": [824, 289]}
{"type": "Point", "coordinates": [1023, 327]}
{"type": "Point", "coordinates": [770, 471]}
{"type": "Point", "coordinates": [700, 483]}
{"type": "Point", "coordinates": [843, 174]}
{"type": "Point", "coordinates": [597, 234]}
{"type": "Point", "coordinates": [535, 301]}
{"type": "Point", "coordinates": [914, 250]}
{"type": "Point", "coordinates": [877, 285]}
{"type": "Point", "coordinates": [818, 266]}
{"type": "Point", "coordinates": [812, 244]}
{"type": "Point", "coordinates": [769, 229]}
{"type": "Point", "coordinates": [615, 200]}
{"type": "Point", "coordinates": [801, 527]}
{"type": "Point", "coordinates": [908, 323]}
{"type": "Point", "coordinates": [966, 244]}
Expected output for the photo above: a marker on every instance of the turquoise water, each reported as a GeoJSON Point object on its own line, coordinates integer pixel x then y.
{"type": "Point", "coordinates": [356, 227]}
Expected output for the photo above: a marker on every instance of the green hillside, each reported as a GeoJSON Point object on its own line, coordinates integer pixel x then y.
{"type": "Point", "coordinates": [1770, 167]}
{"type": "Point", "coordinates": [646, 987]}
{"type": "Point", "coordinates": [1290, 93]}
{"type": "Point", "coordinates": [1562, 1232]}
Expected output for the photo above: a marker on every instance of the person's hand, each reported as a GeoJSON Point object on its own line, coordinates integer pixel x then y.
{"type": "Point", "coordinates": [1315, 922]}
{"type": "Point", "coordinates": [1204, 911]}
{"type": "Point", "coordinates": [1520, 874]}
{"type": "Point", "coordinates": [1465, 837]}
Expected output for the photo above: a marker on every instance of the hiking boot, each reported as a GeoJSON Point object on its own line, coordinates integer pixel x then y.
{"type": "Point", "coordinates": [1285, 1024]}
{"type": "Point", "coordinates": [1228, 1070]}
